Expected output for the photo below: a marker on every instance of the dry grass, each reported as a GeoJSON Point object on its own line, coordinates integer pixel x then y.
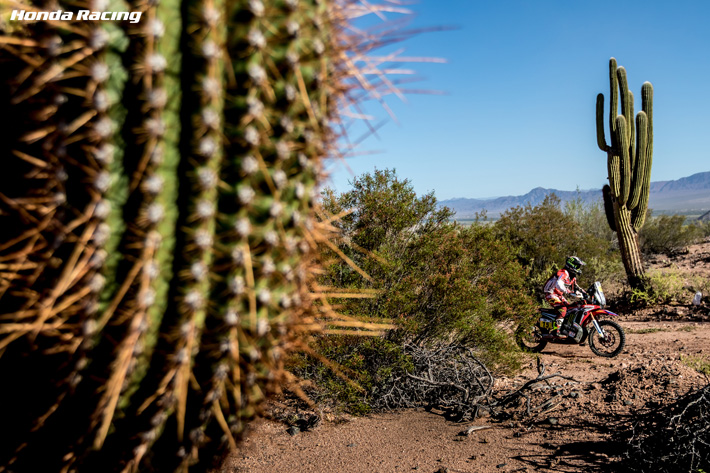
{"type": "Point", "coordinates": [699, 363]}
{"type": "Point", "coordinates": [640, 331]}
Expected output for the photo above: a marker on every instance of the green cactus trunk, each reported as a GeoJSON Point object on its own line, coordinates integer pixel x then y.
{"type": "Point", "coordinates": [629, 159]}
{"type": "Point", "coordinates": [157, 226]}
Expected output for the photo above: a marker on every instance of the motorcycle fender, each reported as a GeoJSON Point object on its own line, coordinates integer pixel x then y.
{"type": "Point", "coordinates": [605, 312]}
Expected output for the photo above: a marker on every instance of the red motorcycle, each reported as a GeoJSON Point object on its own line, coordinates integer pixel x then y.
{"type": "Point", "coordinates": [606, 337]}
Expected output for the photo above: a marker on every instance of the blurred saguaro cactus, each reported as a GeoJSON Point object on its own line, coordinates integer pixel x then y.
{"type": "Point", "coordinates": [629, 159]}
{"type": "Point", "coordinates": [157, 219]}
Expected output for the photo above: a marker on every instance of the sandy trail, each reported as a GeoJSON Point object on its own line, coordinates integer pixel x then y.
{"type": "Point", "coordinates": [416, 440]}
{"type": "Point", "coordinates": [577, 436]}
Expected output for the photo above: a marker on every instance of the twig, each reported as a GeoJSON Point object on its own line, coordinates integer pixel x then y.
{"type": "Point", "coordinates": [474, 428]}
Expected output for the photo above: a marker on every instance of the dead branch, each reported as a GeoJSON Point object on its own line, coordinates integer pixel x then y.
{"type": "Point", "coordinates": [447, 377]}
{"type": "Point", "coordinates": [673, 438]}
{"type": "Point", "coordinates": [474, 428]}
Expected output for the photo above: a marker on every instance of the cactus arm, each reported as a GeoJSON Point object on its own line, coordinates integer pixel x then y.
{"type": "Point", "coordinates": [627, 105]}
{"type": "Point", "coordinates": [627, 110]}
{"type": "Point", "coordinates": [613, 101]}
{"type": "Point", "coordinates": [272, 159]}
{"type": "Point", "coordinates": [601, 139]}
{"type": "Point", "coordinates": [624, 173]}
{"type": "Point", "coordinates": [630, 123]}
{"type": "Point", "coordinates": [647, 107]}
{"type": "Point", "coordinates": [149, 162]}
{"type": "Point", "coordinates": [639, 216]}
{"type": "Point", "coordinates": [639, 170]}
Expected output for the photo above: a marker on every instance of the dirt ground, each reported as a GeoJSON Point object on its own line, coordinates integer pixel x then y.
{"type": "Point", "coordinates": [574, 434]}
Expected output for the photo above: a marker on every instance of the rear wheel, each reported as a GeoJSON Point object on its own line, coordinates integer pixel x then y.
{"type": "Point", "coordinates": [611, 343]}
{"type": "Point", "coordinates": [529, 338]}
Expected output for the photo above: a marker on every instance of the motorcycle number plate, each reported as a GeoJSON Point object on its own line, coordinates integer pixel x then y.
{"type": "Point", "coordinates": [548, 324]}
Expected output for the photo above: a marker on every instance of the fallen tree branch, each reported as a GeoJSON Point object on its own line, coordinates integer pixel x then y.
{"type": "Point", "coordinates": [448, 377]}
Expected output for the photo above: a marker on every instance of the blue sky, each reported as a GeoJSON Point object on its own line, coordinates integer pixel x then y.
{"type": "Point", "coordinates": [520, 86]}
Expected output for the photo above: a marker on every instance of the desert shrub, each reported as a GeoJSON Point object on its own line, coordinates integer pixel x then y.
{"type": "Point", "coordinates": [704, 228]}
{"type": "Point", "coordinates": [641, 297]}
{"type": "Point", "coordinates": [545, 235]}
{"type": "Point", "coordinates": [668, 234]}
{"type": "Point", "coordinates": [365, 364]}
{"type": "Point", "coordinates": [667, 286]}
{"type": "Point", "coordinates": [453, 284]}
{"type": "Point", "coordinates": [591, 218]}
{"type": "Point", "coordinates": [438, 281]}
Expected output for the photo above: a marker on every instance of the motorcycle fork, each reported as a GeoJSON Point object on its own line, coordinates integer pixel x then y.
{"type": "Point", "coordinates": [598, 327]}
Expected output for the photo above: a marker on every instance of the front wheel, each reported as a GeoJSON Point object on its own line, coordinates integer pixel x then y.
{"type": "Point", "coordinates": [529, 338]}
{"type": "Point", "coordinates": [611, 343]}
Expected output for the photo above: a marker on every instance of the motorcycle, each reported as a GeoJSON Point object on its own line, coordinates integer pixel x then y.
{"type": "Point", "coordinates": [606, 337]}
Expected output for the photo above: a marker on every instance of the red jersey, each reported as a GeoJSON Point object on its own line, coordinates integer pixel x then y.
{"type": "Point", "coordinates": [560, 284]}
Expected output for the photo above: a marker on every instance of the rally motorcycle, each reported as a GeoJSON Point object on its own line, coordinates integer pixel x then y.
{"type": "Point", "coordinates": [606, 337]}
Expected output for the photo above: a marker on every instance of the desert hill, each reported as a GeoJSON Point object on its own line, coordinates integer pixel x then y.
{"type": "Point", "coordinates": [689, 195]}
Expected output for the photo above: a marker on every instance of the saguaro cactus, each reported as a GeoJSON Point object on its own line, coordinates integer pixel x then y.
{"type": "Point", "coordinates": [629, 158]}
{"type": "Point", "coordinates": [157, 230]}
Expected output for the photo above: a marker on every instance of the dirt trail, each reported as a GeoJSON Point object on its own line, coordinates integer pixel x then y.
{"type": "Point", "coordinates": [575, 436]}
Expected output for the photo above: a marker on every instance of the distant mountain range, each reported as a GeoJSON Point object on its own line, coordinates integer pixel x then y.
{"type": "Point", "coordinates": [690, 195]}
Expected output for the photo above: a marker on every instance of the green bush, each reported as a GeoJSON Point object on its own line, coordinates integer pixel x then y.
{"type": "Point", "coordinates": [591, 217]}
{"type": "Point", "coordinates": [437, 281]}
{"type": "Point", "coordinates": [545, 235]}
{"type": "Point", "coordinates": [668, 234]}
{"type": "Point", "coordinates": [669, 286]}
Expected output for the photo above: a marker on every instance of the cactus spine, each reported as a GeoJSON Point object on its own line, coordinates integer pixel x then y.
{"type": "Point", "coordinates": [157, 224]}
{"type": "Point", "coordinates": [629, 158]}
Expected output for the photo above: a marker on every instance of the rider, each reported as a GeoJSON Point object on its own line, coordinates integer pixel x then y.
{"type": "Point", "coordinates": [561, 284]}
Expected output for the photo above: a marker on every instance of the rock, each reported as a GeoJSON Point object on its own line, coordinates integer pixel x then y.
{"type": "Point", "coordinates": [553, 421]}
{"type": "Point", "coordinates": [292, 431]}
